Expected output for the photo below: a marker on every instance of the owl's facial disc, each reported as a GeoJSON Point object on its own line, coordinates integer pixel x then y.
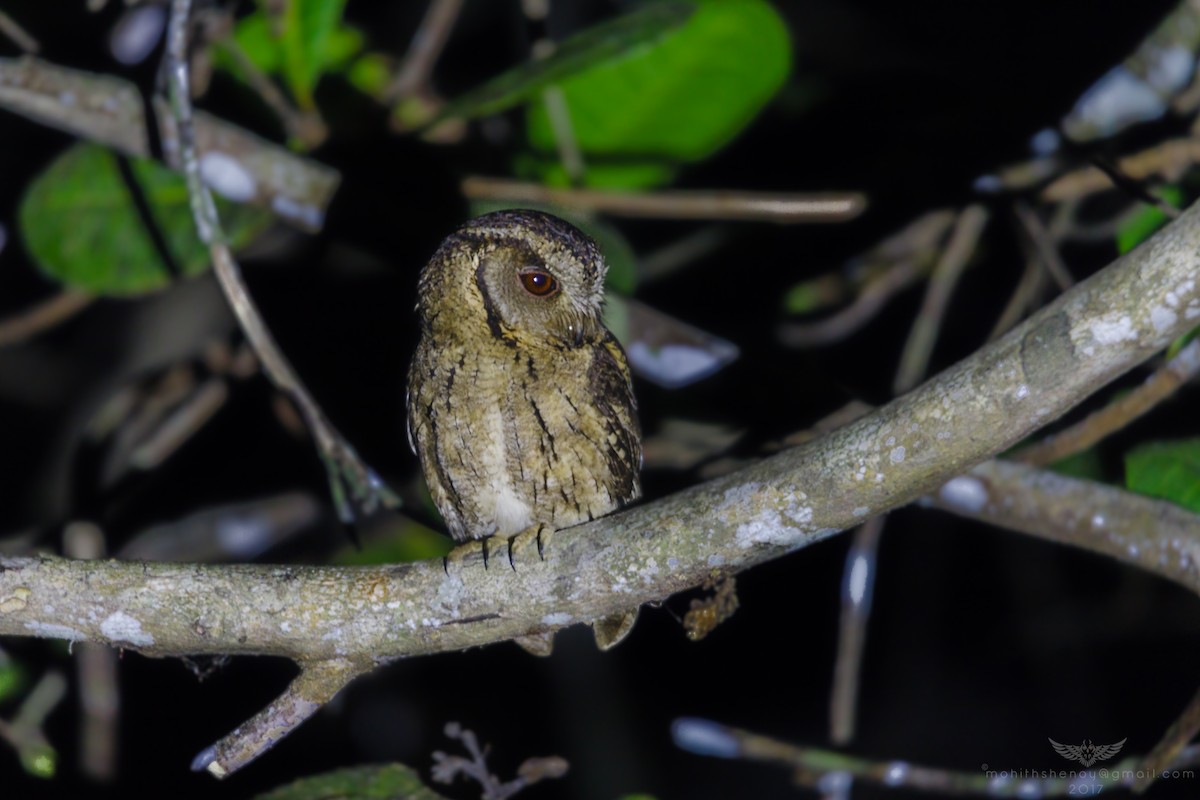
{"type": "Point", "coordinates": [535, 300]}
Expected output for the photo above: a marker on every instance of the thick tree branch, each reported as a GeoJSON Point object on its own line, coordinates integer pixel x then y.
{"type": "Point", "coordinates": [981, 406]}
{"type": "Point", "coordinates": [326, 618]}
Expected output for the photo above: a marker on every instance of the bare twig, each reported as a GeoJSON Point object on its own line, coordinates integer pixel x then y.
{"type": "Point", "coordinates": [18, 35]}
{"type": "Point", "coordinates": [415, 71]}
{"type": "Point", "coordinates": [25, 733]}
{"type": "Point", "coordinates": [446, 767]}
{"type": "Point", "coordinates": [315, 686]}
{"type": "Point", "coordinates": [917, 350]}
{"type": "Point", "coordinates": [825, 769]}
{"type": "Point", "coordinates": [96, 672]}
{"type": "Point", "coordinates": [1120, 412]}
{"type": "Point", "coordinates": [1170, 159]}
{"type": "Point", "coordinates": [1046, 249]}
{"type": "Point", "coordinates": [307, 127]}
{"type": "Point", "coordinates": [870, 301]}
{"type": "Point", "coordinates": [1171, 747]}
{"type": "Point", "coordinates": [904, 257]}
{"type": "Point", "coordinates": [1028, 288]}
{"type": "Point", "coordinates": [858, 583]}
{"type": "Point", "coordinates": [43, 316]}
{"type": "Point", "coordinates": [345, 469]}
{"type": "Point", "coordinates": [108, 110]}
{"type": "Point", "coordinates": [678, 204]}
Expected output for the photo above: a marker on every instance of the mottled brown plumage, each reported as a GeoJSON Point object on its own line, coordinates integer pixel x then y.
{"type": "Point", "coordinates": [520, 404]}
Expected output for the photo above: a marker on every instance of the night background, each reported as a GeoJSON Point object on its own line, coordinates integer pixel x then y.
{"type": "Point", "coordinates": [982, 643]}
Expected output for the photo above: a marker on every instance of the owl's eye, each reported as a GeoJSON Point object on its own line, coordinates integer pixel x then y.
{"type": "Point", "coordinates": [538, 282]}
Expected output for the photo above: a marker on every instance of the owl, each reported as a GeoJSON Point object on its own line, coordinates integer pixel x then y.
{"type": "Point", "coordinates": [520, 403]}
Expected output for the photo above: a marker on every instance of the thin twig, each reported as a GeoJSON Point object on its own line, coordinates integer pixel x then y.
{"type": "Point", "coordinates": [858, 582]}
{"type": "Point", "coordinates": [43, 316]}
{"type": "Point", "coordinates": [678, 204]}
{"type": "Point", "coordinates": [823, 769]}
{"type": "Point", "coordinates": [1033, 280]}
{"type": "Point", "coordinates": [902, 258]}
{"type": "Point", "coordinates": [1123, 410]}
{"type": "Point", "coordinates": [96, 673]}
{"type": "Point", "coordinates": [1045, 246]}
{"type": "Point", "coordinates": [315, 686]}
{"type": "Point", "coordinates": [18, 35]}
{"type": "Point", "coordinates": [1170, 747]}
{"type": "Point", "coordinates": [1170, 159]}
{"type": "Point", "coordinates": [306, 127]}
{"type": "Point", "coordinates": [870, 301]}
{"type": "Point", "coordinates": [108, 110]}
{"type": "Point", "coordinates": [917, 350]}
{"type": "Point", "coordinates": [345, 469]}
{"type": "Point", "coordinates": [415, 71]}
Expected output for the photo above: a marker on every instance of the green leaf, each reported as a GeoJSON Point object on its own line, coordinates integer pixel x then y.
{"type": "Point", "coordinates": [371, 74]}
{"type": "Point", "coordinates": [81, 226]}
{"type": "Point", "coordinates": [39, 760]}
{"type": "Point", "coordinates": [1168, 470]}
{"type": "Point", "coordinates": [406, 540]}
{"type": "Point", "coordinates": [387, 782]}
{"type": "Point", "coordinates": [814, 294]}
{"type": "Point", "coordinates": [1085, 465]}
{"type": "Point", "coordinates": [683, 98]}
{"type": "Point", "coordinates": [623, 174]}
{"type": "Point", "coordinates": [308, 41]}
{"type": "Point", "coordinates": [1181, 342]}
{"type": "Point", "coordinates": [308, 26]}
{"type": "Point", "coordinates": [12, 679]}
{"type": "Point", "coordinates": [1139, 226]}
{"type": "Point", "coordinates": [608, 42]}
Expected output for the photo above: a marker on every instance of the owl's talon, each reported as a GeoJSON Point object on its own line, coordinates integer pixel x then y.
{"type": "Point", "coordinates": [464, 554]}
{"type": "Point", "coordinates": [523, 539]}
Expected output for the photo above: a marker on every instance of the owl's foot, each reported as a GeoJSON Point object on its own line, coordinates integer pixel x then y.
{"type": "Point", "coordinates": [541, 534]}
{"type": "Point", "coordinates": [468, 553]}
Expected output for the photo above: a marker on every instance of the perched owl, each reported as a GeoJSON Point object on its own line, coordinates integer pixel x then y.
{"type": "Point", "coordinates": [520, 405]}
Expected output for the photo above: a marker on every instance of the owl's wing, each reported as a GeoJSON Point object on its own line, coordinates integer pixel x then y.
{"type": "Point", "coordinates": [1104, 751]}
{"type": "Point", "coordinates": [611, 385]}
{"type": "Point", "coordinates": [1071, 752]}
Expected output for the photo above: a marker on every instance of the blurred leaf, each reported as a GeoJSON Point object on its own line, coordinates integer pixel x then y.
{"type": "Point", "coordinates": [683, 98]}
{"type": "Point", "coordinates": [608, 42]}
{"type": "Point", "coordinates": [814, 294]}
{"type": "Point", "coordinates": [623, 174]}
{"type": "Point", "coordinates": [253, 35]}
{"type": "Point", "coordinates": [387, 782]}
{"type": "Point", "coordinates": [82, 228]}
{"type": "Point", "coordinates": [40, 761]}
{"type": "Point", "coordinates": [1181, 342]}
{"type": "Point", "coordinates": [618, 253]}
{"type": "Point", "coordinates": [308, 27]}
{"type": "Point", "coordinates": [1146, 221]}
{"type": "Point", "coordinates": [1085, 465]}
{"type": "Point", "coordinates": [1167, 470]}
{"type": "Point", "coordinates": [12, 679]}
{"type": "Point", "coordinates": [405, 540]}
{"type": "Point", "coordinates": [371, 74]}
{"type": "Point", "coordinates": [300, 46]}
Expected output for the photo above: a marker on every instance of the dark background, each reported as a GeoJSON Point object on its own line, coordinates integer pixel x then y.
{"type": "Point", "coordinates": [983, 643]}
